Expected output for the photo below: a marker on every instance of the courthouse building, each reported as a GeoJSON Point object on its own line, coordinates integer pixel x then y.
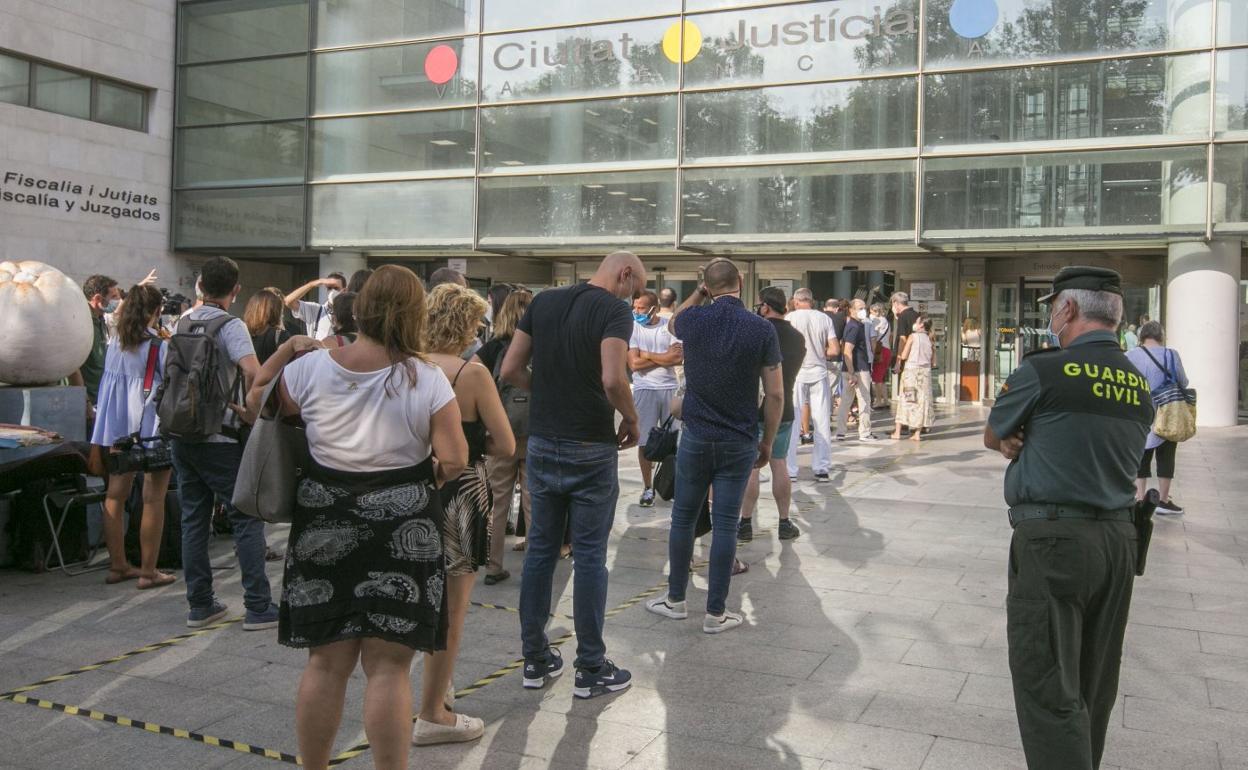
{"type": "Point", "coordinates": [963, 150]}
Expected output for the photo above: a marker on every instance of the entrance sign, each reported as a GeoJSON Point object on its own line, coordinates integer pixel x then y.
{"type": "Point", "coordinates": [922, 292]}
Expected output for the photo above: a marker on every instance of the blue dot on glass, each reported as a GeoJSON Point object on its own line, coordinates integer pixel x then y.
{"type": "Point", "coordinates": [973, 18]}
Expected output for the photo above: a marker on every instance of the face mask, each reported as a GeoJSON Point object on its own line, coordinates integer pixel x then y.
{"type": "Point", "coordinates": [112, 306]}
{"type": "Point", "coordinates": [332, 293]}
{"type": "Point", "coordinates": [861, 315]}
{"type": "Point", "coordinates": [1055, 336]}
{"type": "Point", "coordinates": [641, 318]}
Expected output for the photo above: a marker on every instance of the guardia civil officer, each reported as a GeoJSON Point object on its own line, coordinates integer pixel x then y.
{"type": "Point", "coordinates": [1072, 420]}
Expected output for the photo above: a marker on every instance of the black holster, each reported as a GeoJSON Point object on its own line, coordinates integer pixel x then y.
{"type": "Point", "coordinates": [1143, 519]}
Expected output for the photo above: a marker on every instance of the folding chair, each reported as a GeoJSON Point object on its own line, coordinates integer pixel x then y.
{"type": "Point", "coordinates": [65, 499]}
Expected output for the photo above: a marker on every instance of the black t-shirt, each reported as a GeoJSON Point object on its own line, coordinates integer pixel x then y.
{"type": "Point", "coordinates": [792, 353]}
{"type": "Point", "coordinates": [838, 323]}
{"type": "Point", "coordinates": [266, 344]}
{"type": "Point", "coordinates": [490, 351]}
{"type": "Point", "coordinates": [568, 326]}
{"type": "Point", "coordinates": [904, 327]}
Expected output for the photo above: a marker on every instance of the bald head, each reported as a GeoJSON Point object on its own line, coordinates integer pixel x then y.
{"type": "Point", "coordinates": [722, 277]}
{"type": "Point", "coordinates": [622, 274]}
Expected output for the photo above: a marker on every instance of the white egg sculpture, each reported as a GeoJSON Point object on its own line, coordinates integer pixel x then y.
{"type": "Point", "coordinates": [45, 324]}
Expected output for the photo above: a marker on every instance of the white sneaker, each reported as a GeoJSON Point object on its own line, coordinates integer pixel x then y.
{"type": "Point", "coordinates": [668, 609]}
{"type": "Point", "coordinates": [717, 624]}
{"type": "Point", "coordinates": [465, 729]}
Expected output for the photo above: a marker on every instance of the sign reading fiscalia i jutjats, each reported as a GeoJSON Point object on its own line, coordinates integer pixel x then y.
{"type": "Point", "coordinates": [19, 190]}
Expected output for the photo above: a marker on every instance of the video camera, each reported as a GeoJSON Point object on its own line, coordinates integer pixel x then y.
{"type": "Point", "coordinates": [174, 304]}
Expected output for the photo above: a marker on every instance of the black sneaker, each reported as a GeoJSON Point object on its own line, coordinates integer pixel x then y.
{"type": "Point", "coordinates": [1169, 508]}
{"type": "Point", "coordinates": [537, 673]}
{"type": "Point", "coordinates": [788, 530]}
{"type": "Point", "coordinates": [647, 498]}
{"type": "Point", "coordinates": [807, 438]}
{"type": "Point", "coordinates": [822, 478]}
{"type": "Point", "coordinates": [607, 679]}
{"type": "Point", "coordinates": [745, 531]}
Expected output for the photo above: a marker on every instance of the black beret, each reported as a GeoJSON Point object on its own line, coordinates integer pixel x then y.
{"type": "Point", "coordinates": [1081, 277]}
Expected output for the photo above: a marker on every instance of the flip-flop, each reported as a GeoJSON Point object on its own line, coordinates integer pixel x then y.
{"type": "Point", "coordinates": [739, 567]}
{"type": "Point", "coordinates": [165, 579]}
{"type": "Point", "coordinates": [115, 577]}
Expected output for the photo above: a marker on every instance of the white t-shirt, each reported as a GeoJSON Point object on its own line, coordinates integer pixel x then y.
{"type": "Point", "coordinates": [236, 340]}
{"type": "Point", "coordinates": [355, 423]}
{"type": "Point", "coordinates": [817, 329]}
{"type": "Point", "coordinates": [317, 317]}
{"type": "Point", "coordinates": [881, 331]}
{"type": "Point", "coordinates": [653, 339]}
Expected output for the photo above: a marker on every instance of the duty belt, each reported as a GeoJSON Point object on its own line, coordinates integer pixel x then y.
{"type": "Point", "coordinates": [1054, 511]}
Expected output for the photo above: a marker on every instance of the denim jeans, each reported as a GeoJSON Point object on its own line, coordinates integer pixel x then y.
{"type": "Point", "coordinates": [576, 481]}
{"type": "Point", "coordinates": [207, 471]}
{"type": "Point", "coordinates": [703, 466]}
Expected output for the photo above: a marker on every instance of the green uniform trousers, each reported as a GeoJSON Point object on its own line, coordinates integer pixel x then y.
{"type": "Point", "coordinates": [1066, 615]}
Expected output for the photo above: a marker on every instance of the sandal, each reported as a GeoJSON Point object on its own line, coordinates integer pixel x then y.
{"type": "Point", "coordinates": [739, 567]}
{"type": "Point", "coordinates": [162, 579]}
{"type": "Point", "coordinates": [518, 546]}
{"type": "Point", "coordinates": [116, 576]}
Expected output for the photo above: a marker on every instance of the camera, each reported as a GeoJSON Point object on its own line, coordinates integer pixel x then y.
{"type": "Point", "coordinates": [133, 454]}
{"type": "Point", "coordinates": [174, 304]}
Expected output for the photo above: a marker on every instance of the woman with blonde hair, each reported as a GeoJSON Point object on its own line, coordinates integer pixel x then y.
{"type": "Point", "coordinates": [133, 367]}
{"type": "Point", "coordinates": [366, 574]}
{"type": "Point", "coordinates": [455, 313]}
{"type": "Point", "coordinates": [263, 317]}
{"type": "Point", "coordinates": [505, 472]}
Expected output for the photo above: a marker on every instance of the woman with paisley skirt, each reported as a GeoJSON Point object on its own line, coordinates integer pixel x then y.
{"type": "Point", "coordinates": [365, 577]}
{"type": "Point", "coordinates": [455, 314]}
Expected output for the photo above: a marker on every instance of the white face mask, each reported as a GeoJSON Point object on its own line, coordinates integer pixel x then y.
{"type": "Point", "coordinates": [861, 315]}
{"type": "Point", "coordinates": [332, 293]}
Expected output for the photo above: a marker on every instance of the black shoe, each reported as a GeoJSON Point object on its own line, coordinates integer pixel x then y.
{"type": "Point", "coordinates": [496, 577]}
{"type": "Point", "coordinates": [807, 438]}
{"type": "Point", "coordinates": [1169, 508]}
{"type": "Point", "coordinates": [511, 528]}
{"type": "Point", "coordinates": [788, 530]}
{"type": "Point", "coordinates": [647, 498]}
{"type": "Point", "coordinates": [607, 679]}
{"type": "Point", "coordinates": [745, 531]}
{"type": "Point", "coordinates": [822, 478]}
{"type": "Point", "coordinates": [537, 673]}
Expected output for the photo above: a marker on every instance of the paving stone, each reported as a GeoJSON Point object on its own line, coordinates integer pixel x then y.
{"type": "Point", "coordinates": [1153, 751]}
{"type": "Point", "coordinates": [992, 691]}
{"type": "Point", "coordinates": [670, 751]}
{"type": "Point", "coordinates": [950, 754]}
{"type": "Point", "coordinates": [1186, 721]}
{"type": "Point", "coordinates": [1232, 696]}
{"type": "Point", "coordinates": [844, 742]}
{"type": "Point", "coordinates": [958, 658]}
{"type": "Point", "coordinates": [980, 724]}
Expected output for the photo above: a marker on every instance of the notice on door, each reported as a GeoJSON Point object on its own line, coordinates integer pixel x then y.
{"type": "Point", "coordinates": [922, 292]}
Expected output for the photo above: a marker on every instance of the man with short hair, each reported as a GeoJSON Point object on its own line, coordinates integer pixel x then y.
{"type": "Point", "coordinates": [318, 318]}
{"type": "Point", "coordinates": [577, 340]}
{"type": "Point", "coordinates": [207, 470]}
{"type": "Point", "coordinates": [447, 275]}
{"type": "Point", "coordinates": [728, 350]}
{"type": "Point", "coordinates": [103, 296]}
{"type": "Point", "coordinates": [653, 355]}
{"type": "Point", "coordinates": [1074, 448]}
{"type": "Point", "coordinates": [812, 388]}
{"type": "Point", "coordinates": [667, 302]}
{"type": "Point", "coordinates": [856, 355]}
{"type": "Point", "coordinates": [904, 316]}
{"type": "Point", "coordinates": [771, 305]}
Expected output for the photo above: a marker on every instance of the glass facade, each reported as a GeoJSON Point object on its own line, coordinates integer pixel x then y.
{"type": "Point", "coordinates": [546, 124]}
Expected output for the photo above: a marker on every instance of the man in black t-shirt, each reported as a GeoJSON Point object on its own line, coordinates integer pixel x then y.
{"type": "Point", "coordinates": [904, 326]}
{"type": "Point", "coordinates": [772, 306]}
{"type": "Point", "coordinates": [576, 339]}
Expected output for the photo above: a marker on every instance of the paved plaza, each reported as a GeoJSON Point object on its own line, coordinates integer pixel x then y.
{"type": "Point", "coordinates": [876, 640]}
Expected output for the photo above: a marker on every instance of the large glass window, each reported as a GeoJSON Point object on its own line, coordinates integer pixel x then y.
{"type": "Point", "coordinates": [262, 217]}
{"type": "Point", "coordinates": [257, 153]}
{"type": "Point", "coordinates": [1096, 100]}
{"type": "Point", "coordinates": [352, 22]}
{"type": "Point", "coordinates": [579, 61]}
{"type": "Point", "coordinates": [1230, 175]}
{"type": "Point", "coordinates": [1232, 90]}
{"type": "Point", "coordinates": [234, 29]}
{"type": "Point", "coordinates": [243, 91]}
{"type": "Point", "coordinates": [14, 80]}
{"type": "Point", "coordinates": [522, 14]}
{"type": "Point", "coordinates": [827, 201]}
{"type": "Point", "coordinates": [395, 214]}
{"type": "Point", "coordinates": [615, 208]}
{"type": "Point", "coordinates": [1133, 191]}
{"type": "Point", "coordinates": [119, 105]}
{"type": "Point", "coordinates": [63, 91]}
{"type": "Point", "coordinates": [968, 32]}
{"type": "Point", "coordinates": [632, 130]}
{"type": "Point", "coordinates": [393, 146]}
{"type": "Point", "coordinates": [826, 118]}
{"type": "Point", "coordinates": [809, 41]}
{"type": "Point", "coordinates": [397, 77]}
{"type": "Point", "coordinates": [1232, 23]}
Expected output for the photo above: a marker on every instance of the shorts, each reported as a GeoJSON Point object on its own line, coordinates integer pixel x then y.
{"type": "Point", "coordinates": [653, 407]}
{"type": "Point", "coordinates": [784, 436]}
{"type": "Point", "coordinates": [879, 370]}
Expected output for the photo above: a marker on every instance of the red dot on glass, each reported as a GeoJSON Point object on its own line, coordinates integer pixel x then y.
{"type": "Point", "coordinates": [441, 64]}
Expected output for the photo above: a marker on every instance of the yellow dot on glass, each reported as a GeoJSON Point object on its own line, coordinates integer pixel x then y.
{"type": "Point", "coordinates": [672, 42]}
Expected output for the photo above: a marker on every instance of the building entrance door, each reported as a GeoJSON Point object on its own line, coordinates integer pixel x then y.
{"type": "Point", "coordinates": [1019, 326]}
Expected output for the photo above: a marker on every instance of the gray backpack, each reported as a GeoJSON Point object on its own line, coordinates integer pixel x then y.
{"type": "Point", "coordinates": [515, 400]}
{"type": "Point", "coordinates": [199, 382]}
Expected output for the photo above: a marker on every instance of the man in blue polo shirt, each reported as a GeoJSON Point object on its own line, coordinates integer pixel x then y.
{"type": "Point", "coordinates": [727, 350]}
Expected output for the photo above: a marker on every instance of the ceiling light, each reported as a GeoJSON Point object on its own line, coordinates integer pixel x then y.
{"type": "Point", "coordinates": [724, 224]}
{"type": "Point", "coordinates": [591, 112]}
{"type": "Point", "coordinates": [654, 205]}
{"type": "Point", "coordinates": [487, 153]}
{"type": "Point", "coordinates": [626, 111]}
{"type": "Point", "coordinates": [708, 220]}
{"type": "Point", "coordinates": [651, 122]}
{"type": "Point", "coordinates": [594, 186]}
{"type": "Point", "coordinates": [693, 216]}
{"type": "Point", "coordinates": [639, 200]}
{"type": "Point", "coordinates": [616, 192]}
{"type": "Point", "coordinates": [512, 162]}
{"type": "Point", "coordinates": [444, 142]}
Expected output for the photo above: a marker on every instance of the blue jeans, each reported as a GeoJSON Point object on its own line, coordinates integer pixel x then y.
{"type": "Point", "coordinates": [576, 481]}
{"type": "Point", "coordinates": [702, 466]}
{"type": "Point", "coordinates": [207, 471]}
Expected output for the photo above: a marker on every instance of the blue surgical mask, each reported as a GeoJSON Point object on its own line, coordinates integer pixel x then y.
{"type": "Point", "coordinates": [641, 318]}
{"type": "Point", "coordinates": [1055, 336]}
{"type": "Point", "coordinates": [112, 306]}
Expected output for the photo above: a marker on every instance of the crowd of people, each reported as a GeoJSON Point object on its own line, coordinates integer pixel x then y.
{"type": "Point", "coordinates": [429, 409]}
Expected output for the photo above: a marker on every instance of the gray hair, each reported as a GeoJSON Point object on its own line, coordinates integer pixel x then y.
{"type": "Point", "coordinates": [1101, 306]}
{"type": "Point", "coordinates": [899, 298]}
{"type": "Point", "coordinates": [1152, 330]}
{"type": "Point", "coordinates": [804, 295]}
{"type": "Point", "coordinates": [878, 307]}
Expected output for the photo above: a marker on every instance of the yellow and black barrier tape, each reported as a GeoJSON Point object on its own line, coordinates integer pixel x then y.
{"type": "Point", "coordinates": [124, 656]}
{"type": "Point", "coordinates": [505, 608]}
{"type": "Point", "coordinates": [151, 727]}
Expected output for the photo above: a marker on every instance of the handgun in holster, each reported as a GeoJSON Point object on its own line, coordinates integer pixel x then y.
{"type": "Point", "coordinates": [1143, 519]}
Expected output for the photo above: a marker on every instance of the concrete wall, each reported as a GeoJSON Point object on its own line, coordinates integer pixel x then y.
{"type": "Point", "coordinates": [128, 40]}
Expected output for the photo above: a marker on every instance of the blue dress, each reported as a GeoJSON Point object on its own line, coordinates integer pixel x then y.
{"type": "Point", "coordinates": [120, 408]}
